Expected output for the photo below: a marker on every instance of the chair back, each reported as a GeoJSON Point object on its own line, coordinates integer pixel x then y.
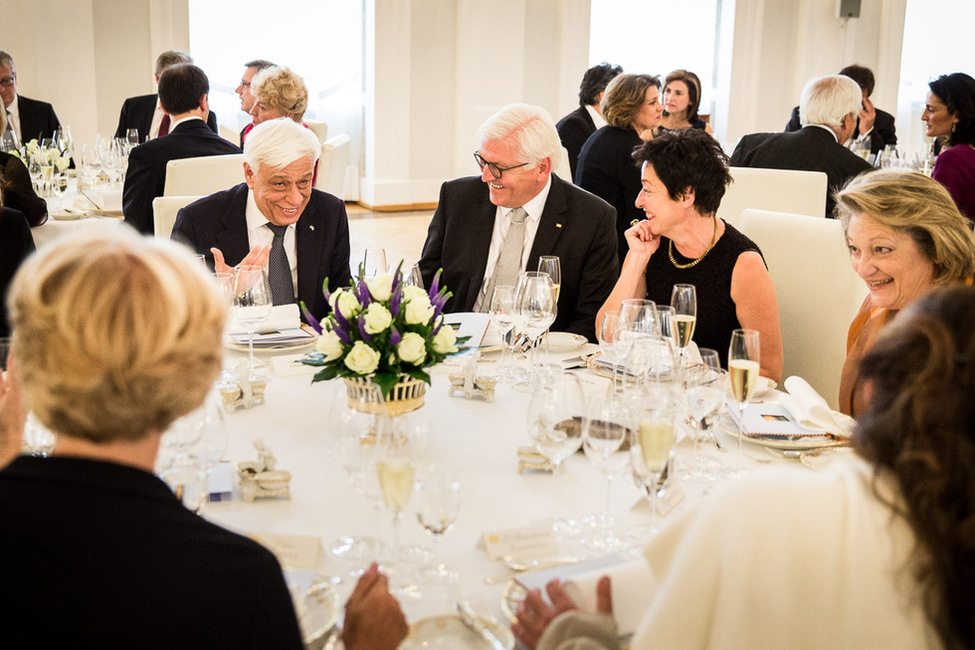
{"type": "Point", "coordinates": [333, 164]}
{"type": "Point", "coordinates": [231, 136]}
{"type": "Point", "coordinates": [818, 292]}
{"type": "Point", "coordinates": [562, 168]}
{"type": "Point", "coordinates": [164, 209]}
{"type": "Point", "coordinates": [203, 175]}
{"type": "Point", "coordinates": [320, 129]}
{"type": "Point", "coordinates": [781, 190]}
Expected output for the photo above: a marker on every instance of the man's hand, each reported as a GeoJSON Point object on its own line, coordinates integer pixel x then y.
{"type": "Point", "coordinates": [373, 617]}
{"type": "Point", "coordinates": [534, 614]}
{"type": "Point", "coordinates": [12, 415]}
{"type": "Point", "coordinates": [257, 257]}
{"type": "Point", "coordinates": [867, 116]}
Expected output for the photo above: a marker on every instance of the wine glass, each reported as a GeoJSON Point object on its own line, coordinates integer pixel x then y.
{"type": "Point", "coordinates": [395, 469]}
{"type": "Point", "coordinates": [556, 415]}
{"type": "Point", "coordinates": [416, 277]}
{"type": "Point", "coordinates": [603, 436]}
{"type": "Point", "coordinates": [252, 302]}
{"type": "Point", "coordinates": [132, 137]}
{"type": "Point", "coordinates": [92, 163]}
{"type": "Point", "coordinates": [638, 324]}
{"type": "Point", "coordinates": [743, 371]}
{"type": "Point", "coordinates": [535, 300]}
{"type": "Point", "coordinates": [437, 507]}
{"type": "Point", "coordinates": [503, 314]}
{"type": "Point", "coordinates": [704, 395]}
{"type": "Point", "coordinates": [683, 298]}
{"type": "Point", "coordinates": [653, 444]}
{"type": "Point", "coordinates": [374, 262]}
{"type": "Point", "coordinates": [549, 264]}
{"type": "Point", "coordinates": [612, 343]}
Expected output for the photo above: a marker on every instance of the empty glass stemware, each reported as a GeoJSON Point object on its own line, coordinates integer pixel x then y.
{"type": "Point", "coordinates": [535, 299]}
{"type": "Point", "coordinates": [252, 302]}
{"type": "Point", "coordinates": [604, 433]}
{"type": "Point", "coordinates": [503, 316]}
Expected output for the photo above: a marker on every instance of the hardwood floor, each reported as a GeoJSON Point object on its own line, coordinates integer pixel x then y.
{"type": "Point", "coordinates": [401, 233]}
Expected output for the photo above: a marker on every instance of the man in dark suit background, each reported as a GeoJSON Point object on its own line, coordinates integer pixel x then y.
{"type": "Point", "coordinates": [275, 212]}
{"type": "Point", "coordinates": [183, 90]}
{"type": "Point", "coordinates": [518, 202]}
{"type": "Point", "coordinates": [145, 113]}
{"type": "Point", "coordinates": [28, 119]}
{"type": "Point", "coordinates": [874, 125]}
{"type": "Point", "coordinates": [828, 109]}
{"type": "Point", "coordinates": [247, 100]}
{"type": "Point", "coordinates": [576, 127]}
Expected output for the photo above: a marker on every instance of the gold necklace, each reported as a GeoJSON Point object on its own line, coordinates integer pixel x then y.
{"type": "Point", "coordinates": [714, 238]}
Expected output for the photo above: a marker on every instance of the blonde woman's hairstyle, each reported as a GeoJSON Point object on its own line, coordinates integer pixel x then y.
{"type": "Point", "coordinates": [624, 97]}
{"type": "Point", "coordinates": [529, 130]}
{"type": "Point", "coordinates": [115, 335]}
{"type": "Point", "coordinates": [281, 89]}
{"type": "Point", "coordinates": [279, 142]}
{"type": "Point", "coordinates": [920, 207]}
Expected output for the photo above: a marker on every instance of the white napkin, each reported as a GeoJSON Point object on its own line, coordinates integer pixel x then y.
{"type": "Point", "coordinates": [632, 586]}
{"type": "Point", "coordinates": [281, 317]}
{"type": "Point", "coordinates": [810, 409]}
{"type": "Point", "coordinates": [110, 199]}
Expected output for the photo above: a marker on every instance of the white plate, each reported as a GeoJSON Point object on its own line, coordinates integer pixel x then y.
{"type": "Point", "coordinates": [784, 443]}
{"type": "Point", "coordinates": [449, 632]}
{"type": "Point", "coordinates": [763, 387]}
{"type": "Point", "coordinates": [66, 215]}
{"type": "Point", "coordinates": [319, 611]}
{"type": "Point", "coordinates": [564, 341]}
{"type": "Point", "coordinates": [292, 345]}
{"type": "Point", "coordinates": [819, 458]}
{"type": "Point", "coordinates": [115, 214]}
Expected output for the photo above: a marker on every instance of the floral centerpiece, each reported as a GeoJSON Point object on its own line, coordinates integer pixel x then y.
{"type": "Point", "coordinates": [382, 328]}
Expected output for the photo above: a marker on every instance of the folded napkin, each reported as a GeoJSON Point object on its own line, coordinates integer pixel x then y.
{"type": "Point", "coordinates": [109, 199]}
{"type": "Point", "coordinates": [472, 324]}
{"type": "Point", "coordinates": [812, 411]}
{"type": "Point", "coordinates": [281, 317]}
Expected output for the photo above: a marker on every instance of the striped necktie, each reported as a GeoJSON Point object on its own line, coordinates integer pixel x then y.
{"type": "Point", "coordinates": [509, 261]}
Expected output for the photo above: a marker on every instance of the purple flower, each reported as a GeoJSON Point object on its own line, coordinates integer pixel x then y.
{"type": "Point", "coordinates": [311, 320]}
{"type": "Point", "coordinates": [325, 291]}
{"type": "Point", "coordinates": [362, 330]}
{"type": "Point", "coordinates": [362, 293]}
{"type": "Point", "coordinates": [341, 333]}
{"type": "Point", "coordinates": [435, 285]}
{"type": "Point", "coordinates": [395, 337]}
{"type": "Point", "coordinates": [396, 300]}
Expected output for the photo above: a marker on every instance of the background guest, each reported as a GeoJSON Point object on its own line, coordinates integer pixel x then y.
{"type": "Point", "coordinates": [576, 127]}
{"type": "Point", "coordinates": [278, 92]}
{"type": "Point", "coordinates": [27, 119]}
{"type": "Point", "coordinates": [16, 189]}
{"type": "Point", "coordinates": [682, 241]}
{"type": "Point", "coordinates": [682, 99]}
{"type": "Point", "coordinates": [906, 237]}
{"type": "Point", "coordinates": [243, 91]}
{"type": "Point", "coordinates": [631, 106]}
{"type": "Point", "coordinates": [949, 113]}
{"type": "Point", "coordinates": [873, 124]}
{"type": "Point", "coordinates": [145, 113]}
{"type": "Point", "coordinates": [876, 552]}
{"type": "Point", "coordinates": [16, 243]}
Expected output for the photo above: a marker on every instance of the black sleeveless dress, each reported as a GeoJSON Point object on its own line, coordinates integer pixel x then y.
{"type": "Point", "coordinates": [716, 314]}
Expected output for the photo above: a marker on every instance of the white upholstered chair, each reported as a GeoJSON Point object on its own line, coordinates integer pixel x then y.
{"type": "Point", "coordinates": [562, 167]}
{"type": "Point", "coordinates": [817, 290]}
{"type": "Point", "coordinates": [203, 175]}
{"type": "Point", "coordinates": [231, 136]}
{"type": "Point", "coordinates": [333, 164]}
{"type": "Point", "coordinates": [164, 209]}
{"type": "Point", "coordinates": [320, 129]}
{"type": "Point", "coordinates": [781, 190]}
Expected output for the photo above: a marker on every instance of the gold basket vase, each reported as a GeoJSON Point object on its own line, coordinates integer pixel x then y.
{"type": "Point", "coordinates": [406, 396]}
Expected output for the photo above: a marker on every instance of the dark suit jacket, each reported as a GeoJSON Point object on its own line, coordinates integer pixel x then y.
{"type": "Point", "coordinates": [883, 132]}
{"type": "Point", "coordinates": [137, 114]}
{"type": "Point", "coordinates": [16, 243]}
{"type": "Point", "coordinates": [19, 192]}
{"type": "Point", "coordinates": [145, 178]}
{"type": "Point", "coordinates": [575, 225]}
{"type": "Point", "coordinates": [37, 119]}
{"type": "Point", "coordinates": [102, 555]}
{"type": "Point", "coordinates": [811, 148]}
{"type": "Point", "coordinates": [574, 129]}
{"type": "Point", "coordinates": [322, 239]}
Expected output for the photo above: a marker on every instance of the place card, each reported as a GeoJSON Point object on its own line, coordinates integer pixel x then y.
{"type": "Point", "coordinates": [289, 365]}
{"type": "Point", "coordinates": [221, 482]}
{"type": "Point", "coordinates": [293, 551]}
{"type": "Point", "coordinates": [521, 543]}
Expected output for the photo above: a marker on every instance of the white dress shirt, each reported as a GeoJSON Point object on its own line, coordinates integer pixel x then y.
{"type": "Point", "coordinates": [157, 116]}
{"type": "Point", "coordinates": [597, 119]}
{"type": "Point", "coordinates": [502, 219]}
{"type": "Point", "coordinates": [258, 234]}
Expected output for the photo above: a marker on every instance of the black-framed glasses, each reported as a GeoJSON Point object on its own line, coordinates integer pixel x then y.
{"type": "Point", "coordinates": [495, 170]}
{"type": "Point", "coordinates": [7, 82]}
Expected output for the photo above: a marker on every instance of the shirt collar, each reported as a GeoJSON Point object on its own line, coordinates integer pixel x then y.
{"type": "Point", "coordinates": [255, 218]}
{"type": "Point", "coordinates": [827, 129]}
{"type": "Point", "coordinates": [597, 119]}
{"type": "Point", "coordinates": [185, 119]}
{"type": "Point", "coordinates": [14, 108]}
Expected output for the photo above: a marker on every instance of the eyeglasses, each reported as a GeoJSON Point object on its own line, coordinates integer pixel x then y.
{"type": "Point", "coordinates": [244, 84]}
{"type": "Point", "coordinates": [495, 170]}
{"type": "Point", "coordinates": [7, 82]}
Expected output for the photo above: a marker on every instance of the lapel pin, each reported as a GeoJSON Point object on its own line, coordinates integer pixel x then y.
{"type": "Point", "coordinates": [311, 227]}
{"type": "Point", "coordinates": [558, 225]}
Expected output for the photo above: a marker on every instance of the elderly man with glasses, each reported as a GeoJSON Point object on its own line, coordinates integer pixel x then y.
{"type": "Point", "coordinates": [486, 230]}
{"type": "Point", "coordinates": [27, 119]}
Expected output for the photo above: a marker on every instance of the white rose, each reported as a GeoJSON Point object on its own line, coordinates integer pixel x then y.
{"type": "Point", "coordinates": [381, 286]}
{"type": "Point", "coordinates": [344, 301]}
{"type": "Point", "coordinates": [376, 318]}
{"type": "Point", "coordinates": [443, 342]}
{"type": "Point", "coordinates": [362, 359]}
{"type": "Point", "coordinates": [411, 291]}
{"type": "Point", "coordinates": [419, 310]}
{"type": "Point", "coordinates": [412, 349]}
{"type": "Point", "coordinates": [330, 345]}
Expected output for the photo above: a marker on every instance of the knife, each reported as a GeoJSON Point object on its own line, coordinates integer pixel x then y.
{"type": "Point", "coordinates": [475, 625]}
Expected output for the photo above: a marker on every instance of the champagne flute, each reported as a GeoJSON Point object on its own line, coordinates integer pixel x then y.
{"type": "Point", "coordinates": [556, 417]}
{"type": "Point", "coordinates": [653, 445]}
{"type": "Point", "coordinates": [438, 504]}
{"type": "Point", "coordinates": [395, 469]}
{"type": "Point", "coordinates": [743, 371]}
{"type": "Point", "coordinates": [536, 306]}
{"type": "Point", "coordinates": [683, 298]}
{"type": "Point", "coordinates": [252, 302]}
{"type": "Point", "coordinates": [604, 432]}
{"type": "Point", "coordinates": [374, 262]}
{"type": "Point", "coordinates": [503, 315]}
{"type": "Point", "coordinates": [549, 264]}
